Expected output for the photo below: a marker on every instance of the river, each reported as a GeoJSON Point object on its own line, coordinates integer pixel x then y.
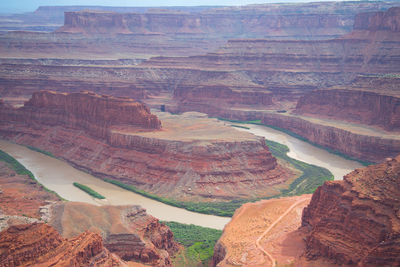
{"type": "Point", "coordinates": [59, 176]}
{"type": "Point", "coordinates": [306, 152]}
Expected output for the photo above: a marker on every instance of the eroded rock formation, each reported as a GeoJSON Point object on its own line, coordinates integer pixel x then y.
{"type": "Point", "coordinates": [127, 231]}
{"type": "Point", "coordinates": [95, 114]}
{"type": "Point", "coordinates": [356, 221]}
{"type": "Point", "coordinates": [40, 245]}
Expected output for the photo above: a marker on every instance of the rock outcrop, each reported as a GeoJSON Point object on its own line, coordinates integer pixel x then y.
{"type": "Point", "coordinates": [127, 231]}
{"type": "Point", "coordinates": [191, 157]}
{"type": "Point", "coordinates": [41, 245]}
{"type": "Point", "coordinates": [379, 21]}
{"type": "Point", "coordinates": [356, 221]}
{"type": "Point", "coordinates": [95, 114]}
{"type": "Point", "coordinates": [361, 107]}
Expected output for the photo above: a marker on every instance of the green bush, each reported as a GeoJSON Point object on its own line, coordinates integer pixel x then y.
{"type": "Point", "coordinates": [89, 191]}
{"type": "Point", "coordinates": [198, 241]}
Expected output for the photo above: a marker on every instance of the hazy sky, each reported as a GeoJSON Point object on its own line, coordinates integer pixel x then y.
{"type": "Point", "coordinates": [31, 5]}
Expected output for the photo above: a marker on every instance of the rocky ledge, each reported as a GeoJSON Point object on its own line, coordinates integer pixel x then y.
{"type": "Point", "coordinates": [357, 221]}
{"type": "Point", "coordinates": [41, 245]}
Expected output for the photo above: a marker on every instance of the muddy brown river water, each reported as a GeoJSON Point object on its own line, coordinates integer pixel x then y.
{"type": "Point", "coordinates": [306, 152]}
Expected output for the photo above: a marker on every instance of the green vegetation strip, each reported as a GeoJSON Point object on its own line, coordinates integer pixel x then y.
{"type": "Point", "coordinates": [312, 177]}
{"type": "Point", "coordinates": [89, 191]}
{"type": "Point", "coordinates": [225, 209]}
{"type": "Point", "coordinates": [198, 241]}
{"type": "Point", "coordinates": [20, 169]}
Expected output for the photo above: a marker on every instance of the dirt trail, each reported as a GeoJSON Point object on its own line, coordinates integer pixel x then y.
{"type": "Point", "coordinates": [272, 226]}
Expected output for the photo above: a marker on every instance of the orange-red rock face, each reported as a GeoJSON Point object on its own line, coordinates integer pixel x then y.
{"type": "Point", "coordinates": [357, 221]}
{"type": "Point", "coordinates": [355, 106]}
{"type": "Point", "coordinates": [41, 245]}
{"type": "Point", "coordinates": [87, 111]}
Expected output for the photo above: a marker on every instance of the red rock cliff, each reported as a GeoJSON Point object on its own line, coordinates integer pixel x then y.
{"type": "Point", "coordinates": [260, 21]}
{"type": "Point", "coordinates": [379, 21]}
{"type": "Point", "coordinates": [87, 111]}
{"type": "Point", "coordinates": [357, 220]}
{"type": "Point", "coordinates": [351, 105]}
{"type": "Point", "coordinates": [40, 244]}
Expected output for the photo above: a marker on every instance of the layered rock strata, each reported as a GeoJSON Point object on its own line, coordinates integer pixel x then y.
{"type": "Point", "coordinates": [354, 106]}
{"type": "Point", "coordinates": [191, 157]}
{"type": "Point", "coordinates": [295, 21]}
{"type": "Point", "coordinates": [127, 231]}
{"type": "Point", "coordinates": [356, 221]}
{"type": "Point", "coordinates": [41, 245]}
{"type": "Point", "coordinates": [95, 114]}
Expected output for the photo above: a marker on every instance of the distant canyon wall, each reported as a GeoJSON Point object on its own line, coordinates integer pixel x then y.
{"type": "Point", "coordinates": [361, 107]}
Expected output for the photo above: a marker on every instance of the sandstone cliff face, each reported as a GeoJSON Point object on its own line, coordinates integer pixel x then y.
{"type": "Point", "coordinates": [379, 21]}
{"type": "Point", "coordinates": [222, 95]}
{"type": "Point", "coordinates": [356, 221]}
{"type": "Point", "coordinates": [361, 146]}
{"type": "Point", "coordinates": [295, 21]}
{"type": "Point", "coordinates": [354, 106]}
{"type": "Point", "coordinates": [222, 22]}
{"type": "Point", "coordinates": [87, 111]}
{"type": "Point", "coordinates": [41, 245]}
{"type": "Point", "coordinates": [127, 231]}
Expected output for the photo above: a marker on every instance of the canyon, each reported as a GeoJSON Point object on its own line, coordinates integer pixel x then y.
{"type": "Point", "coordinates": [239, 76]}
{"type": "Point", "coordinates": [197, 158]}
{"type": "Point", "coordinates": [326, 73]}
